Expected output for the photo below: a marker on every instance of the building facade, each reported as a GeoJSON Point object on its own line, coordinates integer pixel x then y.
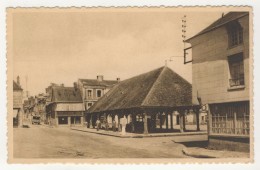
{"type": "Point", "coordinates": [93, 89]}
{"type": "Point", "coordinates": [220, 80]}
{"type": "Point", "coordinates": [40, 106]}
{"type": "Point", "coordinates": [64, 106]}
{"type": "Point", "coordinates": [17, 103]}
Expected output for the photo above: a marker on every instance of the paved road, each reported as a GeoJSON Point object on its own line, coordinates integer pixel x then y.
{"type": "Point", "coordinates": [45, 142]}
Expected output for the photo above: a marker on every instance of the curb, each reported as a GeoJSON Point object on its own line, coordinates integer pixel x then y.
{"type": "Point", "coordinates": [185, 151]}
{"type": "Point", "coordinates": [101, 133]}
{"type": "Point", "coordinates": [141, 136]}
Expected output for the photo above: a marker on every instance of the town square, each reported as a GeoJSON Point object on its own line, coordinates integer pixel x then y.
{"type": "Point", "coordinates": [130, 83]}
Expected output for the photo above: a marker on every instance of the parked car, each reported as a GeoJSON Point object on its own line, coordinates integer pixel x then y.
{"type": "Point", "coordinates": [36, 120]}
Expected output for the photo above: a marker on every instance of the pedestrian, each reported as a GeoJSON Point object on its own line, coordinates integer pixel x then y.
{"type": "Point", "coordinates": [124, 122]}
{"type": "Point", "coordinates": [106, 125]}
{"type": "Point", "coordinates": [98, 124]}
{"type": "Point", "coordinates": [114, 125]}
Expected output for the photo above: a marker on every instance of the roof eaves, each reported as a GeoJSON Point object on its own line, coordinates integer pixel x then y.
{"type": "Point", "coordinates": [213, 28]}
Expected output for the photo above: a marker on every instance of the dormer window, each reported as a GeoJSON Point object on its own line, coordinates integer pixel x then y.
{"type": "Point", "coordinates": [99, 93]}
{"type": "Point", "coordinates": [235, 34]}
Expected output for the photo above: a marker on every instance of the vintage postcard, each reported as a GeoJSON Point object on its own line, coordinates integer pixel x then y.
{"type": "Point", "coordinates": [130, 85]}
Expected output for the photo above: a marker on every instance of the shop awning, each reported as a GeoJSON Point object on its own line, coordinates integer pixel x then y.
{"type": "Point", "coordinates": [70, 107]}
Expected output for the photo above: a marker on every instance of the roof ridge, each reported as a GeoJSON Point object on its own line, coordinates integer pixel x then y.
{"type": "Point", "coordinates": [152, 87]}
{"type": "Point", "coordinates": [97, 80]}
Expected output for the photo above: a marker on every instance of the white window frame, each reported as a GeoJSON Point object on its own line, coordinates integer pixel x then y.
{"type": "Point", "coordinates": [87, 93]}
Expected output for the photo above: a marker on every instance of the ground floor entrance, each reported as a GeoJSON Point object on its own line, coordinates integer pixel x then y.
{"type": "Point", "coordinates": [75, 120]}
{"type": "Point", "coordinates": [229, 126]}
{"type": "Point", "coordinates": [66, 118]}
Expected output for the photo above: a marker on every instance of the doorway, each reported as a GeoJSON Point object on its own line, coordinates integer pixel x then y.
{"type": "Point", "coordinates": [75, 120]}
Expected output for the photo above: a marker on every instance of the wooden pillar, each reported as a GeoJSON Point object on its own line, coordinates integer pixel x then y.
{"type": "Point", "coordinates": [57, 119]}
{"type": "Point", "coordinates": [82, 120]}
{"type": "Point", "coordinates": [160, 115]}
{"type": "Point", "coordinates": [209, 123]}
{"type": "Point", "coordinates": [235, 123]}
{"type": "Point", "coordinates": [181, 122]}
{"type": "Point", "coordinates": [171, 117]}
{"type": "Point", "coordinates": [197, 119]}
{"type": "Point", "coordinates": [153, 122]}
{"type": "Point", "coordinates": [119, 126]}
{"type": "Point", "coordinates": [184, 120]}
{"type": "Point", "coordinates": [90, 121]}
{"type": "Point", "coordinates": [145, 123]}
{"type": "Point", "coordinates": [167, 123]}
{"type": "Point", "coordinates": [133, 122]}
{"type": "Point", "coordinates": [69, 121]}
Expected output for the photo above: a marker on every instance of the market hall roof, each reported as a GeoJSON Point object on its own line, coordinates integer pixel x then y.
{"type": "Point", "coordinates": [16, 86]}
{"type": "Point", "coordinates": [161, 87]}
{"type": "Point", "coordinates": [65, 94]}
{"type": "Point", "coordinates": [231, 16]}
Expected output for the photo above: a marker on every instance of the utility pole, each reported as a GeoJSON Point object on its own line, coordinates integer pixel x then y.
{"type": "Point", "coordinates": [183, 30]}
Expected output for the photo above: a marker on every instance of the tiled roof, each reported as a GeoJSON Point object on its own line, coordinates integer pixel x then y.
{"type": "Point", "coordinates": [160, 87]}
{"type": "Point", "coordinates": [65, 94]}
{"type": "Point", "coordinates": [231, 16]}
{"type": "Point", "coordinates": [16, 86]}
{"type": "Point", "coordinates": [95, 82]}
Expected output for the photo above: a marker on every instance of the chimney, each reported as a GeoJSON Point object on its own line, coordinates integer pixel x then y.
{"type": "Point", "coordinates": [75, 86]}
{"type": "Point", "coordinates": [18, 80]}
{"type": "Point", "coordinates": [118, 79]}
{"type": "Point", "coordinates": [100, 77]}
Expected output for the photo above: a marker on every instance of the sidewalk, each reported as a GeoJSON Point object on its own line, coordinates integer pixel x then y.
{"type": "Point", "coordinates": [207, 153]}
{"type": "Point", "coordinates": [134, 135]}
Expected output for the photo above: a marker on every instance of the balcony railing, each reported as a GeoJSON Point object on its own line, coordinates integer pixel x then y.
{"type": "Point", "coordinates": [236, 82]}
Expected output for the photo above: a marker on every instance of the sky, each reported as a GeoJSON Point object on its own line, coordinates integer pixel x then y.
{"type": "Point", "coordinates": [63, 46]}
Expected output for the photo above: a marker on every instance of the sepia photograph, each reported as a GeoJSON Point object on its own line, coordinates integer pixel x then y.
{"type": "Point", "coordinates": [130, 84]}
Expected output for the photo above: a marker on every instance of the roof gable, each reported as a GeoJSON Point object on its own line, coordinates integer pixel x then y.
{"type": "Point", "coordinates": [231, 16]}
{"type": "Point", "coordinates": [16, 86]}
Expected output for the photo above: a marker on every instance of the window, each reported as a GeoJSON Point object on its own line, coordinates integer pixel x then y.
{"type": "Point", "coordinates": [75, 120]}
{"type": "Point", "coordinates": [63, 120]}
{"type": "Point", "coordinates": [139, 118]}
{"type": "Point", "coordinates": [99, 93]}
{"type": "Point", "coordinates": [89, 105]}
{"type": "Point", "coordinates": [89, 93]}
{"type": "Point", "coordinates": [235, 34]}
{"type": "Point", "coordinates": [236, 68]}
